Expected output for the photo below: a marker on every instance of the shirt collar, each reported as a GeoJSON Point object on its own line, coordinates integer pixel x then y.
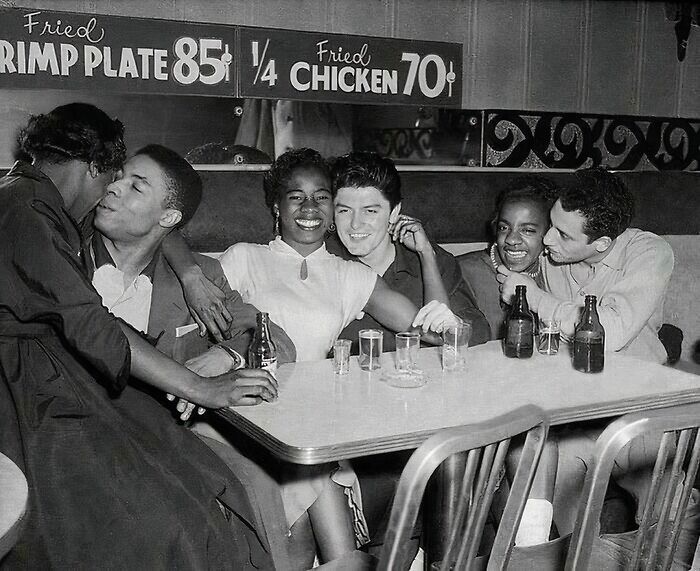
{"type": "Point", "coordinates": [281, 247]}
{"type": "Point", "coordinates": [102, 257]}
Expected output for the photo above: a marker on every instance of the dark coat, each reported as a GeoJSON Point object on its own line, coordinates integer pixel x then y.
{"type": "Point", "coordinates": [113, 481]}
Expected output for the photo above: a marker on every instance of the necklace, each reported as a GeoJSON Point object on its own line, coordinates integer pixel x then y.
{"type": "Point", "coordinates": [495, 264]}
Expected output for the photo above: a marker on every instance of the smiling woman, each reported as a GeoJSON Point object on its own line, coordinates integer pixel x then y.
{"type": "Point", "coordinates": [520, 221]}
{"type": "Point", "coordinates": [313, 295]}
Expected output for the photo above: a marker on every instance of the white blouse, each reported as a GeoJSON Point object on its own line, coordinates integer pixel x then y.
{"type": "Point", "coordinates": [313, 311]}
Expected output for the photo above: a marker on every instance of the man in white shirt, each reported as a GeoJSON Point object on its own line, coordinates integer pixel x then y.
{"type": "Point", "coordinates": [592, 251]}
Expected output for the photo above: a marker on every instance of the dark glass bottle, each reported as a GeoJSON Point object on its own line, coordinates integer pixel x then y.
{"type": "Point", "coordinates": [589, 340]}
{"type": "Point", "coordinates": [262, 353]}
{"type": "Point", "coordinates": [519, 327]}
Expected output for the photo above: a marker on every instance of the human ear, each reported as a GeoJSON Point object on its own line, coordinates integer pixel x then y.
{"type": "Point", "coordinates": [602, 243]}
{"type": "Point", "coordinates": [93, 170]}
{"type": "Point", "coordinates": [170, 218]}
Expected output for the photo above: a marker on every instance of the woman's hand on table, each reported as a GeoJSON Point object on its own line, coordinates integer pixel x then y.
{"type": "Point", "coordinates": [434, 316]}
{"type": "Point", "coordinates": [206, 303]}
{"type": "Point", "coordinates": [410, 232]}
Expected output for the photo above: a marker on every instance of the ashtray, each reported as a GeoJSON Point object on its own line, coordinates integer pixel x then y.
{"type": "Point", "coordinates": [405, 379]}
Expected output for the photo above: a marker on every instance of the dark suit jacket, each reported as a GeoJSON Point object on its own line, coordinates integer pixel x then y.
{"type": "Point", "coordinates": [169, 311]}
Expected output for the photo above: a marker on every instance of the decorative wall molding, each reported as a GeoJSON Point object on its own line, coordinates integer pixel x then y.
{"type": "Point", "coordinates": [551, 140]}
{"type": "Point", "coordinates": [524, 139]}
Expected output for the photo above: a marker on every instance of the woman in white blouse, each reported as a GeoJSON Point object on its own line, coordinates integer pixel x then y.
{"type": "Point", "coordinates": [313, 295]}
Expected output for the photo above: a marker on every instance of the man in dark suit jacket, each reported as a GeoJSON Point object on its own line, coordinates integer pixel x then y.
{"type": "Point", "coordinates": [156, 192]}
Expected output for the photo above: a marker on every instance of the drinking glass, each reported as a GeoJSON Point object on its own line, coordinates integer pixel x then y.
{"type": "Point", "coordinates": [407, 345]}
{"type": "Point", "coordinates": [455, 340]}
{"type": "Point", "coordinates": [550, 334]}
{"type": "Point", "coordinates": [371, 345]}
{"type": "Point", "coordinates": [341, 356]}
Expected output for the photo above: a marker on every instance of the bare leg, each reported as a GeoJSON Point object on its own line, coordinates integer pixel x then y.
{"type": "Point", "coordinates": [301, 546]}
{"type": "Point", "coordinates": [537, 517]}
{"type": "Point", "coordinates": [332, 523]}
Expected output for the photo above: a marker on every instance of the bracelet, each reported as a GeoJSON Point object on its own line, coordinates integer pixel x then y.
{"type": "Point", "coordinates": [238, 360]}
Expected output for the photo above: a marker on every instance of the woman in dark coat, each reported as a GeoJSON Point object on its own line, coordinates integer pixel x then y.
{"type": "Point", "coordinates": [113, 481]}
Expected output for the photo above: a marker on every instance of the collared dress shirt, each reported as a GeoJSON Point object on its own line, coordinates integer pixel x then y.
{"type": "Point", "coordinates": [630, 284]}
{"type": "Point", "coordinates": [132, 302]}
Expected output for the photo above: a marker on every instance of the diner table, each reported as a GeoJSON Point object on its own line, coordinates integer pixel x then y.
{"type": "Point", "coordinates": [321, 417]}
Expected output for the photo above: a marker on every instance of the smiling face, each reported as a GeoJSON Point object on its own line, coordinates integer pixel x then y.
{"type": "Point", "coordinates": [305, 209]}
{"type": "Point", "coordinates": [566, 241]}
{"type": "Point", "coordinates": [134, 205]}
{"type": "Point", "coordinates": [520, 227]}
{"type": "Point", "coordinates": [362, 217]}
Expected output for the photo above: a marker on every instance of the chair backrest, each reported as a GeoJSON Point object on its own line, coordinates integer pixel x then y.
{"type": "Point", "coordinates": [670, 487]}
{"type": "Point", "coordinates": [13, 503]}
{"type": "Point", "coordinates": [486, 445]}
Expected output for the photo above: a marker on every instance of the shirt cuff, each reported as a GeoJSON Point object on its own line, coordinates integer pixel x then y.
{"type": "Point", "coordinates": [236, 357]}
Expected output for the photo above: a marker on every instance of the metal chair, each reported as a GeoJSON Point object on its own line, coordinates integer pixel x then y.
{"type": "Point", "coordinates": [13, 503]}
{"type": "Point", "coordinates": [486, 445]}
{"type": "Point", "coordinates": [670, 487]}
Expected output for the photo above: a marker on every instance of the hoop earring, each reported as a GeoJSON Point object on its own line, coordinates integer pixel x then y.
{"type": "Point", "coordinates": [331, 228]}
{"type": "Point", "coordinates": [277, 223]}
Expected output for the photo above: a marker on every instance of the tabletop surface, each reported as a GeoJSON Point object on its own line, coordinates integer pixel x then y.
{"type": "Point", "coordinates": [13, 502]}
{"type": "Point", "coordinates": [320, 416]}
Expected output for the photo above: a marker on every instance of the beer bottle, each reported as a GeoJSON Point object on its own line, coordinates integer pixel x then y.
{"type": "Point", "coordinates": [519, 327]}
{"type": "Point", "coordinates": [589, 340]}
{"type": "Point", "coordinates": [262, 353]}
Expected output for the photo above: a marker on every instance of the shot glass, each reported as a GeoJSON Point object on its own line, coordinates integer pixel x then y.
{"type": "Point", "coordinates": [407, 345]}
{"type": "Point", "coordinates": [549, 336]}
{"type": "Point", "coordinates": [341, 356]}
{"type": "Point", "coordinates": [371, 346]}
{"type": "Point", "coordinates": [455, 340]}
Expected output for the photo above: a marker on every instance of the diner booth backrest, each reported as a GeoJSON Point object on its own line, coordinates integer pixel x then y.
{"type": "Point", "coordinates": [456, 207]}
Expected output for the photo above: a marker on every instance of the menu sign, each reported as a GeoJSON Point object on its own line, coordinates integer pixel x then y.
{"type": "Point", "coordinates": [66, 50]}
{"type": "Point", "coordinates": [285, 64]}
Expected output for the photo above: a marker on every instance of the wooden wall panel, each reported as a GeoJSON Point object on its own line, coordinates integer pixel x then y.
{"type": "Point", "coordinates": [500, 55]}
{"type": "Point", "coordinates": [373, 20]}
{"type": "Point", "coordinates": [660, 70]}
{"type": "Point", "coordinates": [689, 71]}
{"type": "Point", "coordinates": [437, 20]}
{"type": "Point", "coordinates": [613, 56]}
{"type": "Point", "coordinates": [556, 42]}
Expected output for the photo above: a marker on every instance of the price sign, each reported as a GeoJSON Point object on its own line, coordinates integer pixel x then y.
{"type": "Point", "coordinates": [48, 49]}
{"type": "Point", "coordinates": [285, 64]}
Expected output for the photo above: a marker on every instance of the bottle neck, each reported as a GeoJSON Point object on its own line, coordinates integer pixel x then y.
{"type": "Point", "coordinates": [520, 301]}
{"type": "Point", "coordinates": [262, 329]}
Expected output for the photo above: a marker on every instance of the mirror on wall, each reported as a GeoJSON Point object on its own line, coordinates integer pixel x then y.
{"type": "Point", "coordinates": [222, 130]}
